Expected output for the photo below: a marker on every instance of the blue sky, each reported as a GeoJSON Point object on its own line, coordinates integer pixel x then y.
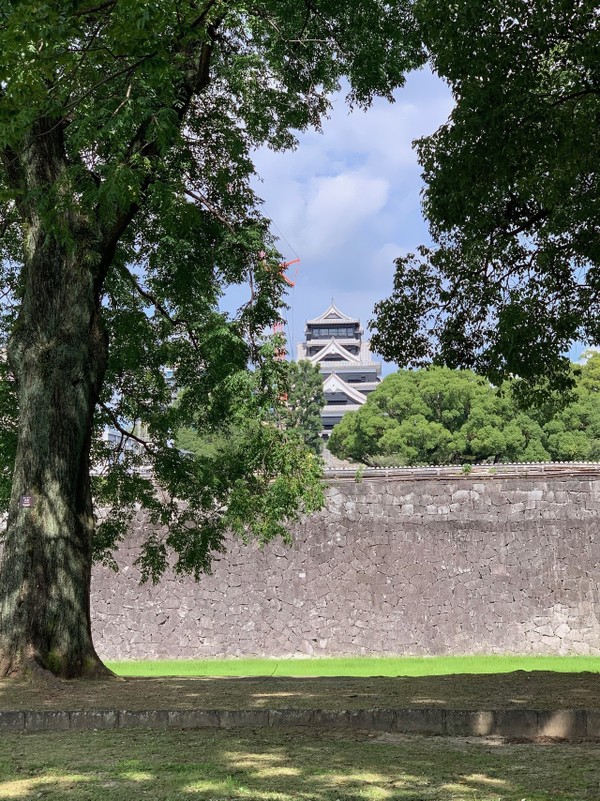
{"type": "Point", "coordinates": [347, 200]}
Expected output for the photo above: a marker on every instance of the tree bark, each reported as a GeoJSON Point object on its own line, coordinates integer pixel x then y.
{"type": "Point", "coordinates": [58, 354]}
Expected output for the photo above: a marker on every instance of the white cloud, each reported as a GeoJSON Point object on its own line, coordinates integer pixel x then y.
{"type": "Point", "coordinates": [347, 201]}
{"type": "Point", "coordinates": [382, 261]}
{"type": "Point", "coordinates": [337, 207]}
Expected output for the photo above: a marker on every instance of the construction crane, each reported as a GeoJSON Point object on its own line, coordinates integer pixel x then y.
{"type": "Point", "coordinates": [278, 327]}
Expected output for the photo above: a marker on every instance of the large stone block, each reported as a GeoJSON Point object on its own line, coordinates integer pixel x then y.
{"type": "Point", "coordinates": [93, 719]}
{"type": "Point", "coordinates": [562, 723]}
{"type": "Point", "coordinates": [422, 721]}
{"type": "Point", "coordinates": [193, 719]}
{"type": "Point", "coordinates": [516, 723]}
{"type": "Point", "coordinates": [144, 719]}
{"type": "Point", "coordinates": [47, 721]}
{"type": "Point", "coordinates": [290, 717]}
{"type": "Point", "coordinates": [12, 722]}
{"type": "Point", "coordinates": [468, 723]}
{"type": "Point", "coordinates": [234, 718]}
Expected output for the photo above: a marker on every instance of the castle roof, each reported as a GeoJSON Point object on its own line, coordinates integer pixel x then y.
{"type": "Point", "coordinates": [332, 315]}
{"type": "Point", "coordinates": [336, 349]}
{"type": "Point", "coordinates": [333, 383]}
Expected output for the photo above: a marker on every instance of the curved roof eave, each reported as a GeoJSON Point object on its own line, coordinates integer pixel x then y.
{"type": "Point", "coordinates": [332, 315]}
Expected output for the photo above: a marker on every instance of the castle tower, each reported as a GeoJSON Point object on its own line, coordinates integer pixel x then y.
{"type": "Point", "coordinates": [334, 342]}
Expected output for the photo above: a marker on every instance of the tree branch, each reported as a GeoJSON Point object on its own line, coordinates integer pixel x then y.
{"type": "Point", "coordinates": [571, 96]}
{"type": "Point", "coordinates": [202, 17]}
{"type": "Point", "coordinates": [200, 198]}
{"type": "Point", "coordinates": [140, 144]}
{"type": "Point", "coordinates": [160, 307]}
{"type": "Point", "coordinates": [124, 432]}
{"type": "Point", "coordinates": [130, 68]}
{"type": "Point", "coordinates": [95, 9]}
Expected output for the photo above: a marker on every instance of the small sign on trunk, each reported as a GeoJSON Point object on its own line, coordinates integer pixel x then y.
{"type": "Point", "coordinates": [27, 501]}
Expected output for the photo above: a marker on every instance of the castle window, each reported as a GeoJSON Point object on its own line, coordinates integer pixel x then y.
{"type": "Point", "coordinates": [341, 331]}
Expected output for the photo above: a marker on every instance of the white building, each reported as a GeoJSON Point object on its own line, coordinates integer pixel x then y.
{"type": "Point", "coordinates": [334, 342]}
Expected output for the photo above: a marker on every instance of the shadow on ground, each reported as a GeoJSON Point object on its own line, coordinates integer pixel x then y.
{"type": "Point", "coordinates": [291, 765]}
{"type": "Point", "coordinates": [533, 690]}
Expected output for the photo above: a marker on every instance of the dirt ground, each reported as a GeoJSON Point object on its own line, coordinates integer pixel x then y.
{"type": "Point", "coordinates": [530, 690]}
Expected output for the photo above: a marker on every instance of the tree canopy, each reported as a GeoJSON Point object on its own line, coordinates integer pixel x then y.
{"type": "Point", "coordinates": [126, 138]}
{"type": "Point", "coordinates": [303, 402]}
{"type": "Point", "coordinates": [298, 413]}
{"type": "Point", "coordinates": [512, 194]}
{"type": "Point", "coordinates": [443, 416]}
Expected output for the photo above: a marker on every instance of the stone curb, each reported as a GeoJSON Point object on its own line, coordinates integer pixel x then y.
{"type": "Point", "coordinates": [567, 724]}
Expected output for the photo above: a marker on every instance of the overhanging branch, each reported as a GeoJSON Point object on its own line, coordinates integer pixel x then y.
{"type": "Point", "coordinates": [124, 432]}
{"type": "Point", "coordinates": [204, 201]}
{"type": "Point", "coordinates": [160, 307]}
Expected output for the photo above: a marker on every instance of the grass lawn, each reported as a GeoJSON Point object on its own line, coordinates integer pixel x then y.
{"type": "Point", "coordinates": [291, 765]}
{"type": "Point", "coordinates": [358, 666]}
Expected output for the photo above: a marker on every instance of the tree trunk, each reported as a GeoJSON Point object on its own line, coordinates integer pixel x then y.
{"type": "Point", "coordinates": [58, 353]}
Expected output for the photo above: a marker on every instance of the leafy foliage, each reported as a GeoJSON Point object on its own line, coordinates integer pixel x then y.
{"type": "Point", "coordinates": [512, 195]}
{"type": "Point", "coordinates": [298, 412]}
{"type": "Point", "coordinates": [444, 416]}
{"type": "Point", "coordinates": [152, 111]}
{"type": "Point", "coordinates": [573, 432]}
{"type": "Point", "coordinates": [303, 402]}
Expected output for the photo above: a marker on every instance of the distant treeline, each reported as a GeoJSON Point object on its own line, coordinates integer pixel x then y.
{"type": "Point", "coordinates": [444, 416]}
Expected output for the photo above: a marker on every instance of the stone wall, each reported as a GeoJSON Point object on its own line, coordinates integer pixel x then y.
{"type": "Point", "coordinates": [437, 566]}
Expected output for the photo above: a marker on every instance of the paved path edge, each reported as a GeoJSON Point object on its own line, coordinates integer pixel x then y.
{"type": "Point", "coordinates": [580, 724]}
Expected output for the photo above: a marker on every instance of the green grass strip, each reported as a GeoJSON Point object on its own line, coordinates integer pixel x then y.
{"type": "Point", "coordinates": [357, 666]}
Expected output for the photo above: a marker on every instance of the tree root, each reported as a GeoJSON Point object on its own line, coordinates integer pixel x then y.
{"type": "Point", "coordinates": [30, 668]}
